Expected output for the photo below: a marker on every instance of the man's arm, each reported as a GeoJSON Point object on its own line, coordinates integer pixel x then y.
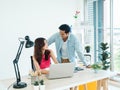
{"type": "Point", "coordinates": [51, 39]}
{"type": "Point", "coordinates": [79, 52]}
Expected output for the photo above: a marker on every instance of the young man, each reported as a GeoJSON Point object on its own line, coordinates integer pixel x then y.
{"type": "Point", "coordinates": [66, 45]}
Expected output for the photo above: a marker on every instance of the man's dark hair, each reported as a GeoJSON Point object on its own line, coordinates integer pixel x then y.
{"type": "Point", "coordinates": [65, 27]}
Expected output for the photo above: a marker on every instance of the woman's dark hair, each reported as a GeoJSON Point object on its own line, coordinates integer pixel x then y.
{"type": "Point", "coordinates": [39, 44]}
{"type": "Point", "coordinates": [65, 27]}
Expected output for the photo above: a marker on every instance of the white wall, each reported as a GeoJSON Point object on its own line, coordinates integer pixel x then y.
{"type": "Point", "coordinates": [36, 18]}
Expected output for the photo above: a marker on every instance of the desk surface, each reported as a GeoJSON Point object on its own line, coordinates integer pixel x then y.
{"type": "Point", "coordinates": [79, 78]}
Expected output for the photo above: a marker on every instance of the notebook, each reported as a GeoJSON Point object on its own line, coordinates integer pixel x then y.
{"type": "Point", "coordinates": [61, 70]}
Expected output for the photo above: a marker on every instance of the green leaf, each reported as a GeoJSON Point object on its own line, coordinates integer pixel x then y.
{"type": "Point", "coordinates": [36, 83]}
{"type": "Point", "coordinates": [42, 82]}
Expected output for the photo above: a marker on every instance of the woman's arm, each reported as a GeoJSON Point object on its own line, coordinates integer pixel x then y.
{"type": "Point", "coordinates": [43, 71]}
{"type": "Point", "coordinates": [37, 67]}
{"type": "Point", "coordinates": [53, 57]}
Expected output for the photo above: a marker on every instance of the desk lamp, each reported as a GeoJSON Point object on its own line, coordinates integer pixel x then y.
{"type": "Point", "coordinates": [18, 84]}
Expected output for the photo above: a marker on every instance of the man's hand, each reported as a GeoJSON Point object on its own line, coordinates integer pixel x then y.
{"type": "Point", "coordinates": [88, 66]}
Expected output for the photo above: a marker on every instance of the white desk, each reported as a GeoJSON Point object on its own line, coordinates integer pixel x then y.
{"type": "Point", "coordinates": [79, 78]}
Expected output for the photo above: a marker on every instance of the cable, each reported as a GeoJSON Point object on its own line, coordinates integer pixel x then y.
{"type": "Point", "coordinates": [10, 86]}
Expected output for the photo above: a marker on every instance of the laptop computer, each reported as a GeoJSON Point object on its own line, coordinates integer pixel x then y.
{"type": "Point", "coordinates": [61, 70]}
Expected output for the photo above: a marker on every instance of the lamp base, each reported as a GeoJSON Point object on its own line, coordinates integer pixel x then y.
{"type": "Point", "coordinates": [19, 85]}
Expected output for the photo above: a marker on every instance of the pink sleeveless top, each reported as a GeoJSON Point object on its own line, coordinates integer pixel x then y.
{"type": "Point", "coordinates": [45, 63]}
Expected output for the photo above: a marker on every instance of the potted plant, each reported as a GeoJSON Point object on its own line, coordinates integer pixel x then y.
{"type": "Point", "coordinates": [104, 55]}
{"type": "Point", "coordinates": [34, 76]}
{"type": "Point", "coordinates": [96, 66]}
{"type": "Point", "coordinates": [42, 85]}
{"type": "Point", "coordinates": [36, 85]}
{"type": "Point", "coordinates": [87, 48]}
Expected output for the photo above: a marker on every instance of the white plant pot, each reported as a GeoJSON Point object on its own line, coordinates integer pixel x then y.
{"type": "Point", "coordinates": [42, 87]}
{"type": "Point", "coordinates": [36, 87]}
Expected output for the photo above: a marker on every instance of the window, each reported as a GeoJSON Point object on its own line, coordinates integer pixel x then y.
{"type": "Point", "coordinates": [113, 37]}
{"type": "Point", "coordinates": [94, 17]}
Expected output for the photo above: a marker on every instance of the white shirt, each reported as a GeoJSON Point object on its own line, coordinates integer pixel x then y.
{"type": "Point", "coordinates": [64, 50]}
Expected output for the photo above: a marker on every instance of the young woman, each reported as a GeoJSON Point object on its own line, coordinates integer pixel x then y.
{"type": "Point", "coordinates": [42, 56]}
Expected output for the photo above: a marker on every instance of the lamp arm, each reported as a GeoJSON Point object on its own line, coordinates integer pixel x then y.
{"type": "Point", "coordinates": [15, 62]}
{"type": "Point", "coordinates": [17, 73]}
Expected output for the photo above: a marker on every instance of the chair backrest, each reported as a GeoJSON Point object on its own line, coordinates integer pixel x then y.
{"type": "Point", "coordinates": [32, 64]}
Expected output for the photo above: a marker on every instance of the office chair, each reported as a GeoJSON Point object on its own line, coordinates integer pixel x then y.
{"type": "Point", "coordinates": [32, 64]}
